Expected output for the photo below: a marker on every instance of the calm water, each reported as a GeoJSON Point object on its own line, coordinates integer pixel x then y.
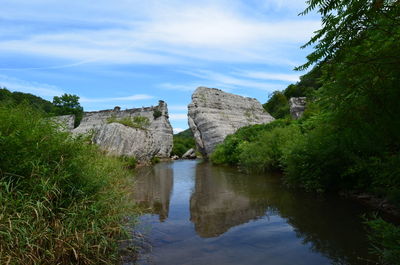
{"type": "Point", "coordinates": [203, 214]}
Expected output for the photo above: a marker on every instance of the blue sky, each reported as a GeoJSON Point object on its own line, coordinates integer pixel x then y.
{"type": "Point", "coordinates": [132, 53]}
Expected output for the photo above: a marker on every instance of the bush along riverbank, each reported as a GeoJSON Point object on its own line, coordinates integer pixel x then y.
{"type": "Point", "coordinates": [62, 200]}
{"type": "Point", "coordinates": [349, 137]}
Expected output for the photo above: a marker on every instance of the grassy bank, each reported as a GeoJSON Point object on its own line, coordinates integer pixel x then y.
{"type": "Point", "coordinates": [62, 200]}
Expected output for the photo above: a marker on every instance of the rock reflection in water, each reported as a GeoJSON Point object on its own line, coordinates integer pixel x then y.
{"type": "Point", "coordinates": [215, 206]}
{"type": "Point", "coordinates": [221, 216]}
{"type": "Point", "coordinates": [153, 186]}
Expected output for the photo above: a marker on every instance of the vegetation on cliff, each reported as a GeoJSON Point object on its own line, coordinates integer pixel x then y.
{"type": "Point", "coordinates": [349, 138]}
{"type": "Point", "coordinates": [62, 200]}
{"type": "Point", "coordinates": [137, 122]}
{"type": "Point", "coordinates": [68, 104]}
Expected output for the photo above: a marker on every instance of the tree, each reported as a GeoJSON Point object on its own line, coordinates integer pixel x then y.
{"type": "Point", "coordinates": [69, 104]}
{"type": "Point", "coordinates": [347, 23]}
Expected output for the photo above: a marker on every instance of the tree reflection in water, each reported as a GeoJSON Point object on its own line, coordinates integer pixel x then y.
{"type": "Point", "coordinates": [246, 215]}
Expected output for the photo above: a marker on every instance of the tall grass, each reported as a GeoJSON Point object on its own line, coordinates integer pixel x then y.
{"type": "Point", "coordinates": [62, 200]}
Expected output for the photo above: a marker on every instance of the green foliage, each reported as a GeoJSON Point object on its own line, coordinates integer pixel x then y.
{"type": "Point", "coordinates": [354, 141]}
{"type": "Point", "coordinates": [17, 98]}
{"type": "Point", "coordinates": [269, 150]}
{"type": "Point", "coordinates": [278, 103]}
{"type": "Point", "coordinates": [347, 23]}
{"type": "Point", "coordinates": [155, 160]}
{"type": "Point", "coordinates": [157, 113]}
{"type": "Point", "coordinates": [138, 122]}
{"type": "Point", "coordinates": [386, 240]}
{"type": "Point", "coordinates": [62, 200]}
{"type": "Point", "coordinates": [183, 141]}
{"type": "Point", "coordinates": [349, 137]}
{"type": "Point", "coordinates": [129, 161]}
{"type": "Point", "coordinates": [68, 104]}
{"type": "Point", "coordinates": [141, 122]}
{"type": "Point", "coordinates": [230, 151]}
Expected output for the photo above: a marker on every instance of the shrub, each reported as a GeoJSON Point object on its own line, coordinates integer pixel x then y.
{"type": "Point", "coordinates": [155, 160]}
{"type": "Point", "coordinates": [268, 151]}
{"type": "Point", "coordinates": [157, 113]}
{"type": "Point", "coordinates": [62, 200]}
{"type": "Point", "coordinates": [229, 151]}
{"type": "Point", "coordinates": [129, 161]}
{"type": "Point", "coordinates": [137, 122]}
{"type": "Point", "coordinates": [385, 238]}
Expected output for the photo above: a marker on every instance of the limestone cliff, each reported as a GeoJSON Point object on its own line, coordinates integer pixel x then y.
{"type": "Point", "coordinates": [154, 139]}
{"type": "Point", "coordinates": [214, 114]}
{"type": "Point", "coordinates": [66, 122]}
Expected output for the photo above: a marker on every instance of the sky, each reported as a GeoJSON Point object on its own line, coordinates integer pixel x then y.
{"type": "Point", "coordinates": [132, 53]}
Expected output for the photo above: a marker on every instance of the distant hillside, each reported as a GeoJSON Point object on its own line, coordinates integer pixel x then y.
{"type": "Point", "coordinates": [183, 141]}
{"type": "Point", "coordinates": [186, 133]}
{"type": "Point", "coordinates": [63, 105]}
{"type": "Point", "coordinates": [17, 98]}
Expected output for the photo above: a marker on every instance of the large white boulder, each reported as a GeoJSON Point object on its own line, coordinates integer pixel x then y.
{"type": "Point", "coordinates": [214, 114]}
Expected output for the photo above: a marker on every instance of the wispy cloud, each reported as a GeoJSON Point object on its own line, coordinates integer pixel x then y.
{"type": "Point", "coordinates": [40, 89]}
{"type": "Point", "coordinates": [178, 130]}
{"type": "Point", "coordinates": [127, 98]}
{"type": "Point", "coordinates": [164, 32]}
{"type": "Point", "coordinates": [229, 82]}
{"type": "Point", "coordinates": [269, 76]}
{"type": "Point", "coordinates": [180, 87]}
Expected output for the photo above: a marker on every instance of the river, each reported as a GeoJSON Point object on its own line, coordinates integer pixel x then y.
{"type": "Point", "coordinates": [202, 214]}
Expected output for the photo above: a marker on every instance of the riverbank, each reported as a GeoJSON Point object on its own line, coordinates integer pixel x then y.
{"type": "Point", "coordinates": [63, 200]}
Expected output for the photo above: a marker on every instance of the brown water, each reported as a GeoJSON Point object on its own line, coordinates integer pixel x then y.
{"type": "Point", "coordinates": [204, 214]}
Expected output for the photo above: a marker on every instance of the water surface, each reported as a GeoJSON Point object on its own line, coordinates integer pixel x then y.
{"type": "Point", "coordinates": [204, 214]}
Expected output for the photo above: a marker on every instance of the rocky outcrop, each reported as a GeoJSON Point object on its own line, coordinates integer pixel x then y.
{"type": "Point", "coordinates": [153, 138]}
{"type": "Point", "coordinates": [190, 154]}
{"type": "Point", "coordinates": [297, 106]}
{"type": "Point", "coordinates": [66, 122]}
{"type": "Point", "coordinates": [214, 114]}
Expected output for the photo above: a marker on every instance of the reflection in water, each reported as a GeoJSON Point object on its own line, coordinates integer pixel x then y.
{"type": "Point", "coordinates": [221, 216]}
{"type": "Point", "coordinates": [215, 206]}
{"type": "Point", "coordinates": [153, 188]}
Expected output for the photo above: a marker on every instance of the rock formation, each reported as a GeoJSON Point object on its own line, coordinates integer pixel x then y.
{"type": "Point", "coordinates": [297, 106]}
{"type": "Point", "coordinates": [189, 154]}
{"type": "Point", "coordinates": [66, 122]}
{"type": "Point", "coordinates": [214, 114]}
{"type": "Point", "coordinates": [154, 138]}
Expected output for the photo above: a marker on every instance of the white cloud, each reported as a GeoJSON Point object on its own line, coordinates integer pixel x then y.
{"type": "Point", "coordinates": [38, 89]}
{"type": "Point", "coordinates": [164, 32]}
{"type": "Point", "coordinates": [270, 76]}
{"type": "Point", "coordinates": [177, 117]}
{"type": "Point", "coordinates": [180, 87]}
{"type": "Point", "coordinates": [127, 98]}
{"type": "Point", "coordinates": [229, 82]}
{"type": "Point", "coordinates": [178, 130]}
